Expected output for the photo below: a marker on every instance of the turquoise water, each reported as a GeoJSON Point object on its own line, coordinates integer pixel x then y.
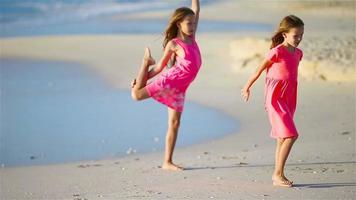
{"type": "Point", "coordinates": [54, 112]}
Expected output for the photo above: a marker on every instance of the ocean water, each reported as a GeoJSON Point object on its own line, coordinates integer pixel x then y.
{"type": "Point", "coordinates": [66, 17]}
{"type": "Point", "coordinates": [57, 112]}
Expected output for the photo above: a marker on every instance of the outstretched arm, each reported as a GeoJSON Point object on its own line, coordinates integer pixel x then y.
{"type": "Point", "coordinates": [196, 10]}
{"type": "Point", "coordinates": [168, 51]}
{"type": "Point", "coordinates": [245, 92]}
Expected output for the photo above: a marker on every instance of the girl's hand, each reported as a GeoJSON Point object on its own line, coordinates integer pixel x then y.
{"type": "Point", "coordinates": [245, 94]}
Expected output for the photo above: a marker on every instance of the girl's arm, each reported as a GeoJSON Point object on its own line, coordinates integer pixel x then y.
{"type": "Point", "coordinates": [196, 10]}
{"type": "Point", "coordinates": [169, 50]}
{"type": "Point", "coordinates": [245, 92]}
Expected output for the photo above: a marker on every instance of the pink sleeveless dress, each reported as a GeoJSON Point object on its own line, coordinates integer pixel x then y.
{"type": "Point", "coordinates": [281, 91]}
{"type": "Point", "coordinates": [170, 87]}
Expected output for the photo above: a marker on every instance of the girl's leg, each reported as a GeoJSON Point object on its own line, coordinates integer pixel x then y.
{"type": "Point", "coordinates": [282, 151]}
{"type": "Point", "coordinates": [278, 149]}
{"type": "Point", "coordinates": [138, 91]}
{"type": "Point", "coordinates": [171, 137]}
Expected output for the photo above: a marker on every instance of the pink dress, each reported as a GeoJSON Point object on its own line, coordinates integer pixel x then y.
{"type": "Point", "coordinates": [170, 87]}
{"type": "Point", "coordinates": [281, 91]}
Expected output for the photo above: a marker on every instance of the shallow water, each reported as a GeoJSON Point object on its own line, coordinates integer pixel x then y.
{"type": "Point", "coordinates": [55, 112]}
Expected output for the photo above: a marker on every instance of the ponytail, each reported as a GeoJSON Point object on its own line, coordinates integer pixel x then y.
{"type": "Point", "coordinates": [277, 39]}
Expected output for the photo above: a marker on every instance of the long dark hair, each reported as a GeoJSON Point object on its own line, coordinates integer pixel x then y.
{"type": "Point", "coordinates": [172, 28]}
{"type": "Point", "coordinates": [288, 22]}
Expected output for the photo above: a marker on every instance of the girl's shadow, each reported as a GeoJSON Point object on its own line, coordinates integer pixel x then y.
{"type": "Point", "coordinates": [264, 165]}
{"type": "Point", "coordinates": [311, 185]}
{"type": "Point", "coordinates": [324, 185]}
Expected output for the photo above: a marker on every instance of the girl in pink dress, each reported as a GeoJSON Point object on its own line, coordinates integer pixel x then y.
{"type": "Point", "coordinates": [170, 87]}
{"type": "Point", "coordinates": [281, 64]}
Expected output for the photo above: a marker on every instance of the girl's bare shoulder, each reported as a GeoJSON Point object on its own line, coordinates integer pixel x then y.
{"type": "Point", "coordinates": [172, 45]}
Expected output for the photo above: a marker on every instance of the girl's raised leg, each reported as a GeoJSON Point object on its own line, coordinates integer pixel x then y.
{"type": "Point", "coordinates": [171, 138]}
{"type": "Point", "coordinates": [138, 90]}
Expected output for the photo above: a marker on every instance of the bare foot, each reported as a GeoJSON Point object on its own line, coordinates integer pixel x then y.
{"type": "Point", "coordinates": [281, 181]}
{"type": "Point", "coordinates": [172, 167]}
{"type": "Point", "coordinates": [148, 58]}
{"type": "Point", "coordinates": [287, 179]}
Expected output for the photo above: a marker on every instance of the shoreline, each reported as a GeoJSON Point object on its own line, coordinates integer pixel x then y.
{"type": "Point", "coordinates": [50, 84]}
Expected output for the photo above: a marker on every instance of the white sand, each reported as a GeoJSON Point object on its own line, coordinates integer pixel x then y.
{"type": "Point", "coordinates": [238, 166]}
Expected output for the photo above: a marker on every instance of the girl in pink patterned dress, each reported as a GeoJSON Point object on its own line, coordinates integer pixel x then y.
{"type": "Point", "coordinates": [170, 87]}
{"type": "Point", "coordinates": [281, 65]}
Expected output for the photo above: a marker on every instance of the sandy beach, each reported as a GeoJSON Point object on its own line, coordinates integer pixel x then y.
{"type": "Point", "coordinates": [238, 166]}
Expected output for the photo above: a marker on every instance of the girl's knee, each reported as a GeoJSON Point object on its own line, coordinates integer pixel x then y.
{"type": "Point", "coordinates": [135, 95]}
{"type": "Point", "coordinates": [174, 123]}
{"type": "Point", "coordinates": [139, 94]}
